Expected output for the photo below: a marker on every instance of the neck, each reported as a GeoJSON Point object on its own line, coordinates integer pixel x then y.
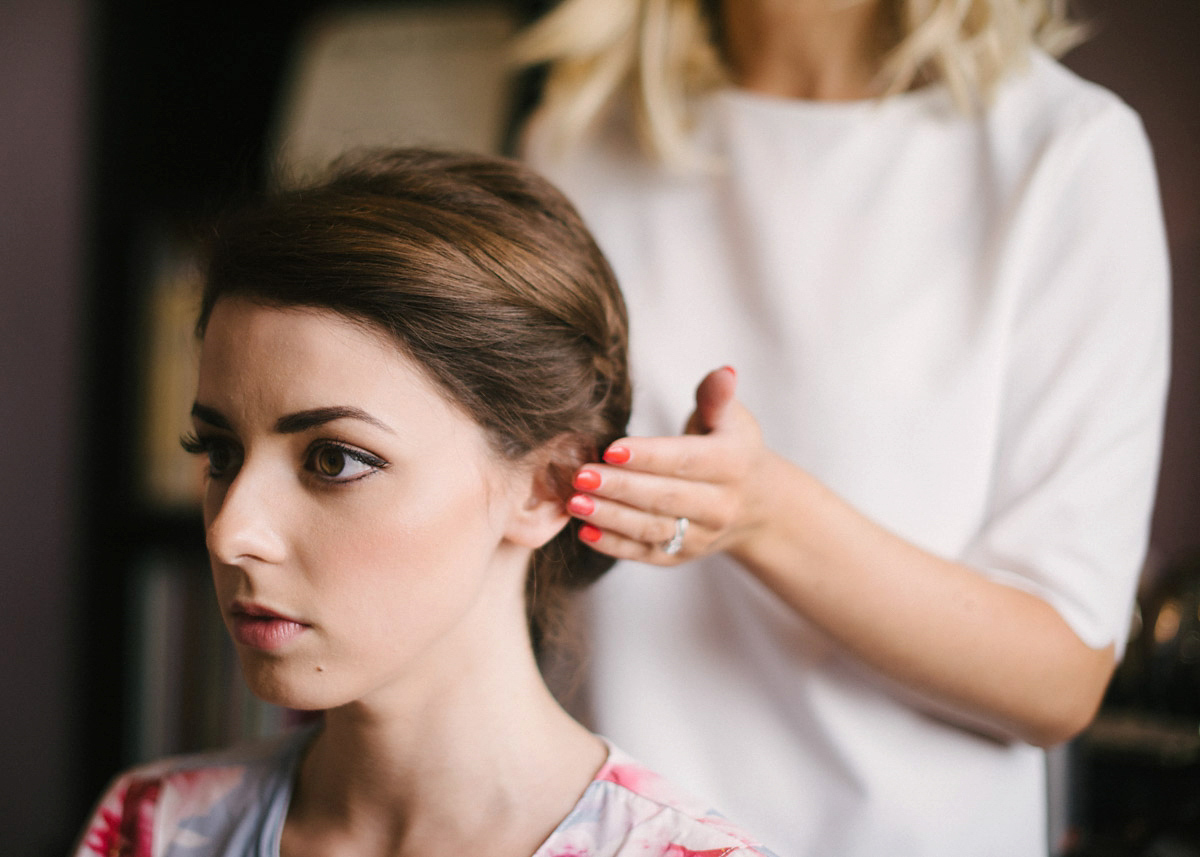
{"type": "Point", "coordinates": [822, 50]}
{"type": "Point", "coordinates": [473, 756]}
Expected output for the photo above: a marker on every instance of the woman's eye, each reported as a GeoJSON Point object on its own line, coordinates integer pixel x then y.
{"type": "Point", "coordinates": [219, 459]}
{"type": "Point", "coordinates": [222, 455]}
{"type": "Point", "coordinates": [338, 463]}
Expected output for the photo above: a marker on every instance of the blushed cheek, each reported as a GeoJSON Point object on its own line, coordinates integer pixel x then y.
{"type": "Point", "coordinates": [414, 569]}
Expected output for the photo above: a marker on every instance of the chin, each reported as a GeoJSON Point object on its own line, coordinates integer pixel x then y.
{"type": "Point", "coordinates": [300, 688]}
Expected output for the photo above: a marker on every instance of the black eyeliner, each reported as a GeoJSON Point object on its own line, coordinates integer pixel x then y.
{"type": "Point", "coordinates": [358, 454]}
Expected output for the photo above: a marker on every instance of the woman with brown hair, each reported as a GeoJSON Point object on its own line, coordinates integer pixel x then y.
{"type": "Point", "coordinates": [936, 260]}
{"type": "Point", "coordinates": [401, 366]}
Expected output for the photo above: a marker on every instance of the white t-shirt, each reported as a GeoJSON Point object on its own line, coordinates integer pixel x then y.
{"type": "Point", "coordinates": [959, 324]}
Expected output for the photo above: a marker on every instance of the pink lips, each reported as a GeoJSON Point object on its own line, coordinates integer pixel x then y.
{"type": "Point", "coordinates": [260, 628]}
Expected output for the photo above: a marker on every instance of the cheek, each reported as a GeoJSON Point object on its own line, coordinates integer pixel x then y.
{"type": "Point", "coordinates": [419, 563]}
{"type": "Point", "coordinates": [413, 557]}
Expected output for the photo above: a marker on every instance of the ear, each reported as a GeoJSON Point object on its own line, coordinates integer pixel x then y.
{"type": "Point", "coordinates": [540, 511]}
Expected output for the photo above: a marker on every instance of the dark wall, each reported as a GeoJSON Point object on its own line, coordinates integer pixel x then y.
{"type": "Point", "coordinates": [41, 193]}
{"type": "Point", "coordinates": [1146, 52]}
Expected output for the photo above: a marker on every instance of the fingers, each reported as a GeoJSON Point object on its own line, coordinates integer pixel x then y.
{"type": "Point", "coordinates": [625, 521]}
{"type": "Point", "coordinates": [627, 534]}
{"type": "Point", "coordinates": [630, 500]}
{"type": "Point", "coordinates": [713, 397]}
{"type": "Point", "coordinates": [701, 458]}
{"type": "Point", "coordinates": [618, 546]}
{"type": "Point", "coordinates": [631, 515]}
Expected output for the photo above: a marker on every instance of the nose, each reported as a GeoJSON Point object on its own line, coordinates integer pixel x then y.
{"type": "Point", "coordinates": [243, 523]}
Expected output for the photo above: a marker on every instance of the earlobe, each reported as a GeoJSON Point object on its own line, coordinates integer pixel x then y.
{"type": "Point", "coordinates": [542, 512]}
{"type": "Point", "coordinates": [537, 521]}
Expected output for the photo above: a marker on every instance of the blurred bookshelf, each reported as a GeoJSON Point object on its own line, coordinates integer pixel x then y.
{"type": "Point", "coordinates": [193, 107]}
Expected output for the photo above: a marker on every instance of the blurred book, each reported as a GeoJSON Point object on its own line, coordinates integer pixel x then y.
{"type": "Point", "coordinates": [170, 355]}
{"type": "Point", "coordinates": [431, 74]}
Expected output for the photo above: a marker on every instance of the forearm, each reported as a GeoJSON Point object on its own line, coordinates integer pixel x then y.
{"type": "Point", "coordinates": [988, 655]}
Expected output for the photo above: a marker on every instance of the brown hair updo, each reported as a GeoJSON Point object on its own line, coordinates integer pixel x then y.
{"type": "Point", "coordinates": [485, 276]}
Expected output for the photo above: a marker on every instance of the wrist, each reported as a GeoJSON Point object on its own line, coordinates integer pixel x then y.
{"type": "Point", "coordinates": [779, 514]}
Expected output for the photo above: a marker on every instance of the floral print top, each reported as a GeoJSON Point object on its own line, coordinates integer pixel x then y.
{"type": "Point", "coordinates": [234, 803]}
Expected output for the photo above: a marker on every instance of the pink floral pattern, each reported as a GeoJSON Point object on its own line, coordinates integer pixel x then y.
{"type": "Point", "coordinates": [124, 826]}
{"type": "Point", "coordinates": [234, 803]}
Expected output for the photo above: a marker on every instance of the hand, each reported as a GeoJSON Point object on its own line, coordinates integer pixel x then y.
{"type": "Point", "coordinates": [632, 500]}
{"type": "Point", "coordinates": [909, 614]}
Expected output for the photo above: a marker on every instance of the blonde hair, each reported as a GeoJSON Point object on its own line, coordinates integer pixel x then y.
{"type": "Point", "coordinates": [662, 53]}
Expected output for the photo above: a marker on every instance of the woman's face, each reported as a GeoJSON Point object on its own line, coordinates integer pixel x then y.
{"type": "Point", "coordinates": [359, 526]}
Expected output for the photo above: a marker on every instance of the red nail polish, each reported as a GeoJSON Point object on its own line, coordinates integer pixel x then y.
{"type": "Point", "coordinates": [616, 454]}
{"type": "Point", "coordinates": [589, 533]}
{"type": "Point", "coordinates": [581, 504]}
{"type": "Point", "coordinates": [587, 480]}
{"type": "Point", "coordinates": [730, 370]}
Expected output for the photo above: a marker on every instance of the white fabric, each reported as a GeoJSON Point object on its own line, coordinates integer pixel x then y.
{"type": "Point", "coordinates": [959, 325]}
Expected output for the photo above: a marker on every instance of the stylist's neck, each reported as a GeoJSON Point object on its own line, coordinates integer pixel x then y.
{"type": "Point", "coordinates": [820, 50]}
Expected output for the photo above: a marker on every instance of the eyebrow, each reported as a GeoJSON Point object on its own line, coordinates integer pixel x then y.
{"type": "Point", "coordinates": [211, 416]}
{"type": "Point", "coordinates": [305, 420]}
{"type": "Point", "coordinates": [297, 422]}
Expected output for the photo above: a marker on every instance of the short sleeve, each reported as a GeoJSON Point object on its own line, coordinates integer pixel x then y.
{"type": "Point", "coordinates": [122, 824]}
{"type": "Point", "coordinates": [1084, 394]}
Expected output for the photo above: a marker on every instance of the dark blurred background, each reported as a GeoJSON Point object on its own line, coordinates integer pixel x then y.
{"type": "Point", "coordinates": [115, 114]}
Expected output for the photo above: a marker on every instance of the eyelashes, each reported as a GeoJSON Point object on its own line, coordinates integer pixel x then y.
{"type": "Point", "coordinates": [328, 461]}
{"type": "Point", "coordinates": [220, 452]}
{"type": "Point", "coordinates": [339, 462]}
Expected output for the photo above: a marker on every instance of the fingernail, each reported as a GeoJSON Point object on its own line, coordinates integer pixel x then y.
{"type": "Point", "coordinates": [616, 454]}
{"type": "Point", "coordinates": [581, 504]}
{"type": "Point", "coordinates": [589, 533]}
{"type": "Point", "coordinates": [587, 480]}
{"type": "Point", "coordinates": [730, 370]}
